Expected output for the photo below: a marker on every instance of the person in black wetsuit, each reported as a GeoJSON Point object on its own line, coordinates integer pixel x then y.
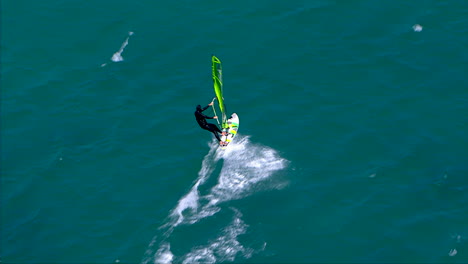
{"type": "Point", "coordinates": [201, 119]}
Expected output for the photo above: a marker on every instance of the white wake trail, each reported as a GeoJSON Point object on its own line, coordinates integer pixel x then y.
{"type": "Point", "coordinates": [176, 217]}
{"type": "Point", "coordinates": [116, 57]}
{"type": "Point", "coordinates": [223, 248]}
{"type": "Point", "coordinates": [245, 166]}
{"type": "Point", "coordinates": [191, 199]}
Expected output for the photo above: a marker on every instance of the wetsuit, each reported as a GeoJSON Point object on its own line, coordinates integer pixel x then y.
{"type": "Point", "coordinates": [201, 119]}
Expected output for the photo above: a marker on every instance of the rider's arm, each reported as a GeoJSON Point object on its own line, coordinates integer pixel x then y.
{"type": "Point", "coordinates": [206, 107]}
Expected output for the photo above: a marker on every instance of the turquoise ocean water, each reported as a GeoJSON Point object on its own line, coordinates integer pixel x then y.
{"type": "Point", "coordinates": [353, 140]}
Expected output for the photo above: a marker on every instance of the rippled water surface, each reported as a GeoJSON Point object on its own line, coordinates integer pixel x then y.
{"type": "Point", "coordinates": [352, 144]}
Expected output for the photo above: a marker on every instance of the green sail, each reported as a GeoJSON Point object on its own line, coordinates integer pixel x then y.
{"type": "Point", "coordinates": [218, 88]}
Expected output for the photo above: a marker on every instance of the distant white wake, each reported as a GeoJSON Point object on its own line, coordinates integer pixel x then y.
{"type": "Point", "coordinates": [116, 57]}
{"type": "Point", "coordinates": [244, 167]}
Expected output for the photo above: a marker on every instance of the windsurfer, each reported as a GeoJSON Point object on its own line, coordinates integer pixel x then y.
{"type": "Point", "coordinates": [201, 119]}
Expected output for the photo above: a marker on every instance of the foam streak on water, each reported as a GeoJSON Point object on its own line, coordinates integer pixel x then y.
{"type": "Point", "coordinates": [190, 200]}
{"type": "Point", "coordinates": [223, 248]}
{"type": "Point", "coordinates": [116, 57]}
{"type": "Point", "coordinates": [244, 166]}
